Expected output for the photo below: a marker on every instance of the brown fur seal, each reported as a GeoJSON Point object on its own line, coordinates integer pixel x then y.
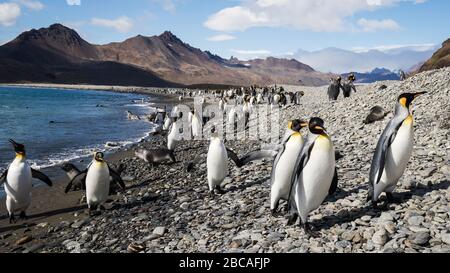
{"type": "Point", "coordinates": [376, 113]}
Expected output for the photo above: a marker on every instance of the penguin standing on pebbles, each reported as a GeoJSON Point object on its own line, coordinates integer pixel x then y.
{"type": "Point", "coordinates": [18, 183]}
{"type": "Point", "coordinates": [284, 163]}
{"type": "Point", "coordinates": [217, 163]}
{"type": "Point", "coordinates": [98, 175]}
{"type": "Point", "coordinates": [314, 175]}
{"type": "Point", "coordinates": [393, 151]}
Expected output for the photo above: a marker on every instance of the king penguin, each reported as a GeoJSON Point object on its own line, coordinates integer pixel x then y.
{"type": "Point", "coordinates": [98, 175]}
{"type": "Point", "coordinates": [393, 150]}
{"type": "Point", "coordinates": [284, 163]}
{"type": "Point", "coordinates": [18, 183]}
{"type": "Point", "coordinates": [196, 124]}
{"type": "Point", "coordinates": [217, 163]}
{"type": "Point", "coordinates": [314, 175]}
{"type": "Point", "coordinates": [174, 133]}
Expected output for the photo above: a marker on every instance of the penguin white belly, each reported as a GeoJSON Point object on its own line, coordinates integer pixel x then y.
{"type": "Point", "coordinates": [97, 184]}
{"type": "Point", "coordinates": [232, 116]}
{"type": "Point", "coordinates": [397, 158]}
{"type": "Point", "coordinates": [217, 164]}
{"type": "Point", "coordinates": [315, 179]}
{"type": "Point", "coordinates": [167, 124]}
{"type": "Point", "coordinates": [18, 187]}
{"type": "Point", "coordinates": [259, 99]}
{"type": "Point", "coordinates": [172, 138]}
{"type": "Point", "coordinates": [196, 130]}
{"type": "Point", "coordinates": [276, 99]}
{"type": "Point", "coordinates": [284, 170]}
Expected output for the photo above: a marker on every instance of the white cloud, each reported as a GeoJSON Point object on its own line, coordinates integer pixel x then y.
{"type": "Point", "coordinates": [73, 2]}
{"type": "Point", "coordinates": [390, 48]}
{"type": "Point", "coordinates": [315, 15]}
{"type": "Point", "coordinates": [9, 12]}
{"type": "Point", "coordinates": [121, 24]}
{"type": "Point", "coordinates": [31, 4]}
{"type": "Point", "coordinates": [221, 38]}
{"type": "Point", "coordinates": [167, 5]}
{"type": "Point", "coordinates": [375, 25]}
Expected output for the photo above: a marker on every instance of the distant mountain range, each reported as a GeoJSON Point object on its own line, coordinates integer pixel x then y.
{"type": "Point", "coordinates": [337, 60]}
{"type": "Point", "coordinates": [440, 59]}
{"type": "Point", "coordinates": [378, 74]}
{"type": "Point", "coordinates": [57, 54]}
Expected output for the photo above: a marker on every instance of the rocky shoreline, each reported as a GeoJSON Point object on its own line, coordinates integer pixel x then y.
{"type": "Point", "coordinates": [166, 210]}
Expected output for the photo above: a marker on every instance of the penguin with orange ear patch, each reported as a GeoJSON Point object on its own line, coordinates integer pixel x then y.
{"type": "Point", "coordinates": [393, 151]}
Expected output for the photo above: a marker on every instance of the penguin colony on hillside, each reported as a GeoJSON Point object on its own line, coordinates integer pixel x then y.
{"type": "Point", "coordinates": [303, 170]}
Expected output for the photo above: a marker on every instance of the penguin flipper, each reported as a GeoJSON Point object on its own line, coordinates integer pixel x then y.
{"type": "Point", "coordinates": [379, 159]}
{"type": "Point", "coordinates": [38, 175]}
{"type": "Point", "coordinates": [233, 156]}
{"type": "Point", "coordinates": [334, 183]}
{"type": "Point", "coordinates": [116, 178]}
{"type": "Point", "coordinates": [258, 155]}
{"type": "Point", "coordinates": [79, 177]}
{"type": "Point", "coordinates": [300, 164]}
{"type": "Point", "coordinates": [3, 177]}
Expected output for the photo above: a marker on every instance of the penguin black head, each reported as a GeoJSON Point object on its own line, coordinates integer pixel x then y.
{"type": "Point", "coordinates": [18, 148]}
{"type": "Point", "coordinates": [296, 125]}
{"type": "Point", "coordinates": [316, 126]}
{"type": "Point", "coordinates": [99, 156]}
{"type": "Point", "coordinates": [407, 98]}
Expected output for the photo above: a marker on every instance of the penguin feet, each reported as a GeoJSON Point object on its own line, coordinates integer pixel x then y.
{"type": "Point", "coordinates": [92, 211]}
{"type": "Point", "coordinates": [23, 216]}
{"type": "Point", "coordinates": [392, 199]}
{"type": "Point", "coordinates": [12, 219]}
{"type": "Point", "coordinates": [308, 231]}
{"type": "Point", "coordinates": [274, 213]}
{"type": "Point", "coordinates": [219, 190]}
{"type": "Point", "coordinates": [292, 219]}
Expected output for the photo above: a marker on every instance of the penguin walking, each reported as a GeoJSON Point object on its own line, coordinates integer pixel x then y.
{"type": "Point", "coordinates": [284, 163]}
{"type": "Point", "coordinates": [334, 89]}
{"type": "Point", "coordinates": [259, 98]}
{"type": "Point", "coordinates": [167, 122]}
{"type": "Point", "coordinates": [393, 150]}
{"type": "Point", "coordinates": [217, 163]}
{"type": "Point", "coordinates": [18, 183]}
{"type": "Point", "coordinates": [79, 183]}
{"type": "Point", "coordinates": [174, 134]}
{"type": "Point", "coordinates": [314, 175]}
{"type": "Point", "coordinates": [196, 124]}
{"type": "Point", "coordinates": [98, 176]}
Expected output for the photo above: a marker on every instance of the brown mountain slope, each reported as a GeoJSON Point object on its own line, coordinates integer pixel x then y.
{"type": "Point", "coordinates": [440, 59]}
{"type": "Point", "coordinates": [175, 60]}
{"type": "Point", "coordinates": [59, 55]}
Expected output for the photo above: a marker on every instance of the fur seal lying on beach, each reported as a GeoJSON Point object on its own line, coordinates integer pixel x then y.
{"type": "Point", "coordinates": [156, 157]}
{"type": "Point", "coordinates": [376, 113]}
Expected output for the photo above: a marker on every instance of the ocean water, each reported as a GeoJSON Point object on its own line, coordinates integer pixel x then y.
{"type": "Point", "coordinates": [64, 125]}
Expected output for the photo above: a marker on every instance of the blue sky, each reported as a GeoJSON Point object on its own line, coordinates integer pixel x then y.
{"type": "Point", "coordinates": [248, 28]}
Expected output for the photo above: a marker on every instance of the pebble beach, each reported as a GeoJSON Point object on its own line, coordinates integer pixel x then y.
{"type": "Point", "coordinates": [166, 209]}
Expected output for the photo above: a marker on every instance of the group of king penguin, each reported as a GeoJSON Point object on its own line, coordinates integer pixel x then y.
{"type": "Point", "coordinates": [303, 174]}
